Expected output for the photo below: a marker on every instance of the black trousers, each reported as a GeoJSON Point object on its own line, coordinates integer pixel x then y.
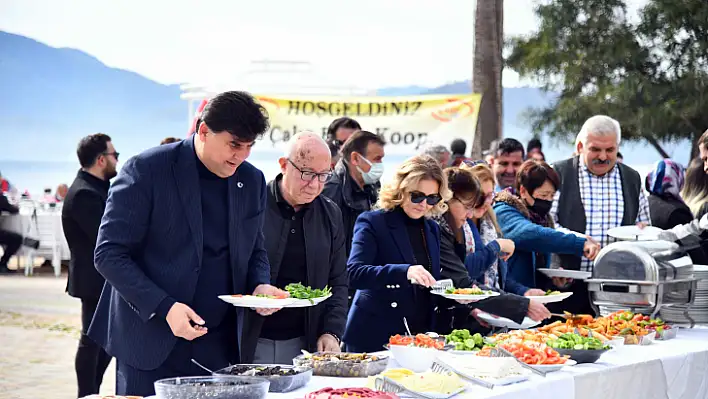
{"type": "Point", "coordinates": [11, 243]}
{"type": "Point", "coordinates": [215, 350]}
{"type": "Point", "coordinates": [91, 360]}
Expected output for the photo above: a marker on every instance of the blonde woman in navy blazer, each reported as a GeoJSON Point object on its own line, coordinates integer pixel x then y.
{"type": "Point", "coordinates": [395, 257]}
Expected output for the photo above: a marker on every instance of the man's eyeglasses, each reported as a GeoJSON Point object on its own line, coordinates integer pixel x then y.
{"type": "Point", "coordinates": [417, 197]}
{"type": "Point", "coordinates": [471, 163]}
{"type": "Point", "coordinates": [308, 176]}
{"type": "Point", "coordinates": [115, 154]}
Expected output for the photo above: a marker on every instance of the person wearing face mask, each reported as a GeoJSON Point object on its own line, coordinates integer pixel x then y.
{"type": "Point", "coordinates": [354, 184]}
{"type": "Point", "coordinates": [525, 220]}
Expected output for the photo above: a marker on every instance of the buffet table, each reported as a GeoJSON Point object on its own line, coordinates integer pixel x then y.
{"type": "Point", "coordinates": [671, 369]}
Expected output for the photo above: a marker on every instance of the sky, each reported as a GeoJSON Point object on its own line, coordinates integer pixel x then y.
{"type": "Point", "coordinates": [365, 43]}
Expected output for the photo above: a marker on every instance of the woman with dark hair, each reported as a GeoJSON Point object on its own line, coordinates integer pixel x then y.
{"type": "Point", "coordinates": [524, 219]}
{"type": "Point", "coordinates": [466, 196]}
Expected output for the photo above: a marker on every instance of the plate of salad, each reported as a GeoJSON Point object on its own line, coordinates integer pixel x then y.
{"type": "Point", "coordinates": [465, 294]}
{"type": "Point", "coordinates": [257, 301]}
{"type": "Point", "coordinates": [579, 348]}
{"type": "Point", "coordinates": [464, 343]}
{"type": "Point", "coordinates": [551, 296]}
{"type": "Point", "coordinates": [307, 296]}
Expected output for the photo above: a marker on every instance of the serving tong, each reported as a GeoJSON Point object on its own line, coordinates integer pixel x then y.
{"type": "Point", "coordinates": [385, 384]}
{"type": "Point", "coordinates": [440, 367]}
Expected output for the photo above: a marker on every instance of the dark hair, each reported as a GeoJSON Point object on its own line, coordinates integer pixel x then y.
{"type": "Point", "coordinates": [238, 113]}
{"type": "Point", "coordinates": [333, 149]}
{"type": "Point", "coordinates": [169, 140]}
{"type": "Point", "coordinates": [533, 144]}
{"type": "Point", "coordinates": [462, 183]}
{"type": "Point", "coordinates": [343, 122]}
{"type": "Point", "coordinates": [532, 174]}
{"type": "Point", "coordinates": [509, 146]}
{"type": "Point", "coordinates": [458, 147]}
{"type": "Point", "coordinates": [91, 147]}
{"type": "Point", "coordinates": [619, 155]}
{"type": "Point", "coordinates": [358, 142]}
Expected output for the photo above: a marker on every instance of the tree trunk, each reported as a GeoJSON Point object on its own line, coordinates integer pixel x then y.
{"type": "Point", "coordinates": [657, 146]}
{"type": "Point", "coordinates": [487, 73]}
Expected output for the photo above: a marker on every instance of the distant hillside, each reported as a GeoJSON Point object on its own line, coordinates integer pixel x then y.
{"type": "Point", "coordinates": [53, 96]}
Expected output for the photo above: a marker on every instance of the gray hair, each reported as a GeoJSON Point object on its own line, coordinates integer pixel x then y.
{"type": "Point", "coordinates": [435, 150]}
{"type": "Point", "coordinates": [295, 141]}
{"type": "Point", "coordinates": [600, 125]}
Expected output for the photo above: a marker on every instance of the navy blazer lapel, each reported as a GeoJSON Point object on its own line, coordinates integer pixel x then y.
{"type": "Point", "coordinates": [399, 233]}
{"type": "Point", "coordinates": [187, 180]}
{"type": "Point", "coordinates": [235, 187]}
{"type": "Point", "coordinates": [433, 242]}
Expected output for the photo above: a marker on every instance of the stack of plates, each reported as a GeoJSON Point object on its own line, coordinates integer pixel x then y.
{"type": "Point", "coordinates": [698, 311]}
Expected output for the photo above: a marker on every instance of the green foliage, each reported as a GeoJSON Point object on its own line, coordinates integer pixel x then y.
{"type": "Point", "coordinates": [650, 75]}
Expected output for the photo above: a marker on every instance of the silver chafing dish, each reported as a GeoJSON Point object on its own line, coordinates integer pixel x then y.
{"type": "Point", "coordinates": [641, 276]}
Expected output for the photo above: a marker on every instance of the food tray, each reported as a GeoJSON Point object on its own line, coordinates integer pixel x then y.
{"type": "Point", "coordinates": [343, 368]}
{"type": "Point", "coordinates": [278, 383]}
{"type": "Point", "coordinates": [639, 340]}
{"type": "Point", "coordinates": [667, 334]}
{"type": "Point", "coordinates": [214, 387]}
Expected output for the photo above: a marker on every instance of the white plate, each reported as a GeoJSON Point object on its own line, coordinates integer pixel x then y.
{"type": "Point", "coordinates": [436, 395]}
{"type": "Point", "coordinates": [257, 302]}
{"type": "Point", "coordinates": [305, 303]}
{"type": "Point", "coordinates": [470, 298]}
{"type": "Point", "coordinates": [497, 321]}
{"type": "Point", "coordinates": [512, 379]}
{"type": "Point", "coordinates": [634, 233]}
{"type": "Point", "coordinates": [574, 274]}
{"type": "Point", "coordinates": [463, 353]}
{"type": "Point", "coordinates": [551, 298]}
{"type": "Point", "coordinates": [549, 368]}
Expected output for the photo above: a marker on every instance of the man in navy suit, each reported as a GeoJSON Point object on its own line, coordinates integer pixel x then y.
{"type": "Point", "coordinates": [183, 225]}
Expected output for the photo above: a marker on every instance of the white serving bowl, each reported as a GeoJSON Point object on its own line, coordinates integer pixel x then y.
{"type": "Point", "coordinates": [414, 358]}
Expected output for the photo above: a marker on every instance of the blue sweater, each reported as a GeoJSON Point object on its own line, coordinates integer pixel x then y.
{"type": "Point", "coordinates": [479, 261]}
{"type": "Point", "coordinates": [531, 238]}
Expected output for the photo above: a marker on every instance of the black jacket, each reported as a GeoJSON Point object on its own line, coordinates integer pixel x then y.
{"type": "Point", "coordinates": [351, 199]}
{"type": "Point", "coordinates": [80, 217]}
{"type": "Point", "coordinates": [668, 212]}
{"type": "Point", "coordinates": [326, 266]}
{"type": "Point", "coordinates": [452, 255]}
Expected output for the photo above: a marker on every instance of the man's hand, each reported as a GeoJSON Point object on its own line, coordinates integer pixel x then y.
{"type": "Point", "coordinates": [537, 312]}
{"type": "Point", "coordinates": [591, 249]}
{"type": "Point", "coordinates": [179, 317]}
{"type": "Point", "coordinates": [561, 282]}
{"type": "Point", "coordinates": [267, 289]}
{"type": "Point", "coordinates": [642, 225]}
{"type": "Point", "coordinates": [327, 343]}
{"type": "Point", "coordinates": [475, 313]}
{"type": "Point", "coordinates": [535, 292]}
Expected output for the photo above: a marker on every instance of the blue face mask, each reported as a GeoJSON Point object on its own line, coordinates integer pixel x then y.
{"type": "Point", "coordinates": [374, 174]}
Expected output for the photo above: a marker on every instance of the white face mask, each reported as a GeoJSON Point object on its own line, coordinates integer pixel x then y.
{"type": "Point", "coordinates": [374, 174]}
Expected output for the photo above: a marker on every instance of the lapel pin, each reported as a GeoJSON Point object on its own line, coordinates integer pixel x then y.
{"type": "Point", "coordinates": [239, 185]}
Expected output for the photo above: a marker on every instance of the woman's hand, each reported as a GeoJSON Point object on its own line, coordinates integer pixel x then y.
{"type": "Point", "coordinates": [535, 292]}
{"type": "Point", "coordinates": [507, 248]}
{"type": "Point", "coordinates": [417, 274]}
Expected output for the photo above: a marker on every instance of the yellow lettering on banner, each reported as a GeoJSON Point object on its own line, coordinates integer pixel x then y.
{"type": "Point", "coordinates": [405, 122]}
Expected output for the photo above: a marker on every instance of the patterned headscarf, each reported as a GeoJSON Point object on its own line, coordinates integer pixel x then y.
{"type": "Point", "coordinates": [666, 179]}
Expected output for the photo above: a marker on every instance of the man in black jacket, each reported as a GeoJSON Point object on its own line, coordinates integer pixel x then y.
{"type": "Point", "coordinates": [81, 216]}
{"type": "Point", "coordinates": [9, 240]}
{"type": "Point", "coordinates": [305, 244]}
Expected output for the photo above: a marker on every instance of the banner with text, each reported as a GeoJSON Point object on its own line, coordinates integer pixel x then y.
{"type": "Point", "coordinates": [407, 123]}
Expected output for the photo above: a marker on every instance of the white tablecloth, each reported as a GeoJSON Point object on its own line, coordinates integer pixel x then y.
{"type": "Point", "coordinates": [674, 369]}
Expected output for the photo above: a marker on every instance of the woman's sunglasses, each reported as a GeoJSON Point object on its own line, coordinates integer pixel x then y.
{"type": "Point", "coordinates": [484, 200]}
{"type": "Point", "coordinates": [417, 197]}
